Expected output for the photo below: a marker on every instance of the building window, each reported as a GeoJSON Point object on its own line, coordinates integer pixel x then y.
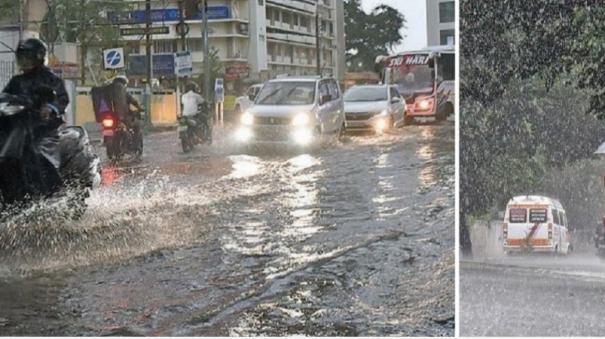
{"type": "Point", "coordinates": [164, 46]}
{"type": "Point", "coordinates": [194, 44]}
{"type": "Point", "coordinates": [446, 37]}
{"type": "Point", "coordinates": [446, 12]}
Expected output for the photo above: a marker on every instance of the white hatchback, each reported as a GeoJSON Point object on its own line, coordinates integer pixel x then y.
{"type": "Point", "coordinates": [294, 110]}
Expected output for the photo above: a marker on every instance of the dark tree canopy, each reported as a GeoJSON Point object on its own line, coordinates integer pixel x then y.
{"type": "Point", "coordinates": [371, 35]}
{"type": "Point", "coordinates": [504, 40]}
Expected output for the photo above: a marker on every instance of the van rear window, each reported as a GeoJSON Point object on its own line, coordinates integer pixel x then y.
{"type": "Point", "coordinates": [517, 215]}
{"type": "Point", "coordinates": [537, 215]}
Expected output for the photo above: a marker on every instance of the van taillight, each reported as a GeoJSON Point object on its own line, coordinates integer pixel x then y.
{"type": "Point", "coordinates": [505, 230]}
{"type": "Point", "coordinates": [550, 231]}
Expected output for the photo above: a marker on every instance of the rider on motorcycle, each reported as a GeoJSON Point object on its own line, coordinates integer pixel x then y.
{"type": "Point", "coordinates": [194, 105]}
{"type": "Point", "coordinates": [191, 100]}
{"type": "Point", "coordinates": [43, 159]}
{"type": "Point", "coordinates": [131, 118]}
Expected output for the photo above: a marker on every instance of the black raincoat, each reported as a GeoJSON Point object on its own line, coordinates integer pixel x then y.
{"type": "Point", "coordinates": [30, 149]}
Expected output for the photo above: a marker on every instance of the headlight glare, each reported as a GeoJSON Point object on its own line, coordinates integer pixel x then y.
{"type": "Point", "coordinates": [300, 120]}
{"type": "Point", "coordinates": [247, 119]}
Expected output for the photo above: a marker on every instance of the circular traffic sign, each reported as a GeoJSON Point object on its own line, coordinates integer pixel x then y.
{"type": "Point", "coordinates": [114, 58]}
{"type": "Point", "coordinates": [182, 28]}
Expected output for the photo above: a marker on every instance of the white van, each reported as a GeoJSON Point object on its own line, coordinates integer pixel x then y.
{"type": "Point", "coordinates": [535, 224]}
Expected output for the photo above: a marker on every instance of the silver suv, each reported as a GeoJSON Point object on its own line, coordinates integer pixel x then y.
{"type": "Point", "coordinates": [294, 110]}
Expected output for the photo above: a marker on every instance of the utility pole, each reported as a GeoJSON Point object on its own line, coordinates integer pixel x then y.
{"type": "Point", "coordinates": [20, 19]}
{"type": "Point", "coordinates": [317, 48]}
{"type": "Point", "coordinates": [149, 62]}
{"type": "Point", "coordinates": [183, 33]}
{"type": "Point", "coordinates": [83, 51]}
{"type": "Point", "coordinates": [206, 51]}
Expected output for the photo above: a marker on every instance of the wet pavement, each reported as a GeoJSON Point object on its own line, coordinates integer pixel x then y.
{"type": "Point", "coordinates": [533, 296]}
{"type": "Point", "coordinates": [353, 239]}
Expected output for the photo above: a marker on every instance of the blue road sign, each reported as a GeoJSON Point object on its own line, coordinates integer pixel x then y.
{"type": "Point", "coordinates": [113, 58]}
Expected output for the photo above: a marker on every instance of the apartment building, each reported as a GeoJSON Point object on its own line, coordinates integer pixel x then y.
{"type": "Point", "coordinates": [255, 39]}
{"type": "Point", "coordinates": [440, 21]}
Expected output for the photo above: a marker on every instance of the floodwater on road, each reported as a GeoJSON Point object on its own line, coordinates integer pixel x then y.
{"type": "Point", "coordinates": [353, 239]}
{"type": "Point", "coordinates": [533, 295]}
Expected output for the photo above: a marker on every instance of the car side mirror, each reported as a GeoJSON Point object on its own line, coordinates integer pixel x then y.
{"type": "Point", "coordinates": [252, 97]}
{"type": "Point", "coordinates": [395, 100]}
{"type": "Point", "coordinates": [325, 98]}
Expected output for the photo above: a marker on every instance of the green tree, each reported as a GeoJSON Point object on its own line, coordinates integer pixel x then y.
{"type": "Point", "coordinates": [84, 22]}
{"type": "Point", "coordinates": [369, 35]}
{"type": "Point", "coordinates": [507, 40]}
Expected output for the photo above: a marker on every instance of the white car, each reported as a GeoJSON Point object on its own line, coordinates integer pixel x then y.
{"type": "Point", "coordinates": [294, 110]}
{"type": "Point", "coordinates": [246, 101]}
{"type": "Point", "coordinates": [373, 107]}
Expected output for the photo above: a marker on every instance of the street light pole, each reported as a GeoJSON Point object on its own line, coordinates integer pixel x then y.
{"type": "Point", "coordinates": [206, 51]}
{"type": "Point", "coordinates": [317, 48]}
{"type": "Point", "coordinates": [149, 62]}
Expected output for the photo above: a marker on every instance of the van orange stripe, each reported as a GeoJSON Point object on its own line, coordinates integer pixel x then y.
{"type": "Point", "coordinates": [522, 242]}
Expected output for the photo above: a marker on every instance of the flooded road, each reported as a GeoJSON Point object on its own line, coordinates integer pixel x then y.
{"type": "Point", "coordinates": [533, 296]}
{"type": "Point", "coordinates": [355, 239]}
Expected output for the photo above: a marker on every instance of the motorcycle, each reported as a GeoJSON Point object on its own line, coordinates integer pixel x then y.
{"type": "Point", "coordinates": [119, 138]}
{"type": "Point", "coordinates": [21, 168]}
{"type": "Point", "coordinates": [194, 130]}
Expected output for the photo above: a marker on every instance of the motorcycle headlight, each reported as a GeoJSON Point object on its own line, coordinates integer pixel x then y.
{"type": "Point", "coordinates": [247, 119]}
{"type": "Point", "coordinates": [301, 120]}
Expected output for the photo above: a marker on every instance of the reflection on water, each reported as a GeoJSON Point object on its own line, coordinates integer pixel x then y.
{"type": "Point", "coordinates": [110, 175]}
{"type": "Point", "coordinates": [245, 166]}
{"type": "Point", "coordinates": [426, 152]}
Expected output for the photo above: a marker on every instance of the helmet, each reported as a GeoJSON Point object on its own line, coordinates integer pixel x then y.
{"type": "Point", "coordinates": [33, 50]}
{"type": "Point", "coordinates": [192, 86]}
{"type": "Point", "coordinates": [121, 78]}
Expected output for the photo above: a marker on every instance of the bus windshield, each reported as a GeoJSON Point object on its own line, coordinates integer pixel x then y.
{"type": "Point", "coordinates": [411, 77]}
{"type": "Point", "coordinates": [410, 73]}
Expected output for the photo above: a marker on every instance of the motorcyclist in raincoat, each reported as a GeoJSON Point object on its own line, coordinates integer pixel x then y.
{"type": "Point", "coordinates": [34, 163]}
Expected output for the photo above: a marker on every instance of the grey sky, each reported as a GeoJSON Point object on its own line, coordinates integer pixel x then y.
{"type": "Point", "coordinates": [415, 15]}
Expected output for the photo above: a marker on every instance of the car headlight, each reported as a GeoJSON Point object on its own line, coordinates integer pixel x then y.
{"type": "Point", "coordinates": [425, 104]}
{"type": "Point", "coordinates": [243, 134]}
{"type": "Point", "coordinates": [301, 120]}
{"type": "Point", "coordinates": [247, 119]}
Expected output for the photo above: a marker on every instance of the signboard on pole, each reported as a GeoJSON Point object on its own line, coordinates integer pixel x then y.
{"type": "Point", "coordinates": [183, 64]}
{"type": "Point", "coordinates": [219, 90]}
{"type": "Point", "coordinates": [162, 63]}
{"type": "Point", "coordinates": [166, 15]}
{"type": "Point", "coordinates": [144, 31]}
{"type": "Point", "coordinates": [113, 58]}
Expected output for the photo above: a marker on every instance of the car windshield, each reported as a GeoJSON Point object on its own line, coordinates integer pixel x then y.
{"type": "Point", "coordinates": [287, 93]}
{"type": "Point", "coordinates": [357, 94]}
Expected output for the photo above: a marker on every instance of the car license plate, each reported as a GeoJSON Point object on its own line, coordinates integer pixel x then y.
{"type": "Point", "coordinates": [108, 133]}
{"type": "Point", "coordinates": [182, 129]}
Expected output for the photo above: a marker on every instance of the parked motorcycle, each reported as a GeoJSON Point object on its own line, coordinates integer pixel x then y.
{"type": "Point", "coordinates": [79, 168]}
{"type": "Point", "coordinates": [120, 139]}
